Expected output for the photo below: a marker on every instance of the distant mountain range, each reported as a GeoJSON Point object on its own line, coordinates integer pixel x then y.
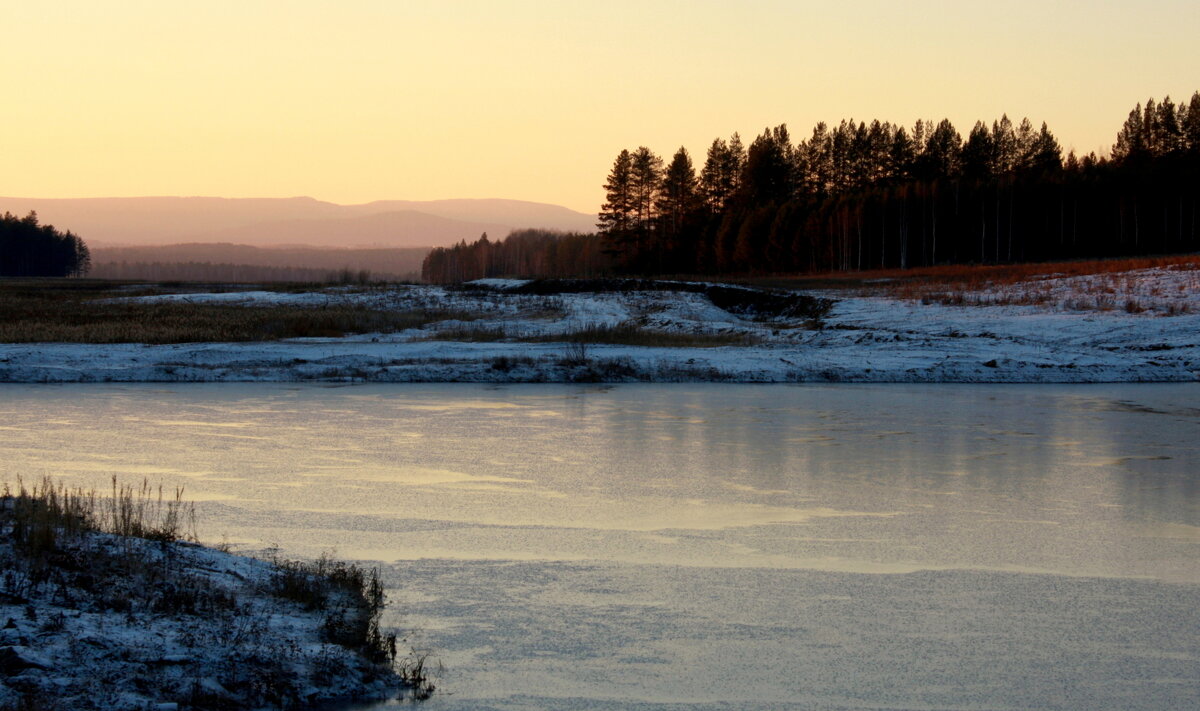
{"type": "Point", "coordinates": [304, 221]}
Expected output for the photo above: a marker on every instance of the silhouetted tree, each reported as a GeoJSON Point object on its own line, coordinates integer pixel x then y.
{"type": "Point", "coordinates": [676, 206]}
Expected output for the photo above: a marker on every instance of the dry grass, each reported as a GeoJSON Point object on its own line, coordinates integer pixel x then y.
{"type": "Point", "coordinates": [46, 514]}
{"type": "Point", "coordinates": [632, 334]}
{"type": "Point", "coordinates": [469, 333]}
{"type": "Point", "coordinates": [955, 274]}
{"type": "Point", "coordinates": [80, 311]}
{"type": "Point", "coordinates": [73, 549]}
{"type": "Point", "coordinates": [1109, 287]}
{"type": "Point", "coordinates": [628, 333]}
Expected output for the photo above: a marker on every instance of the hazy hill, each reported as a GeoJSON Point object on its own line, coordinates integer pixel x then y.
{"type": "Point", "coordinates": [283, 221]}
{"type": "Point", "coordinates": [514, 213]}
{"type": "Point", "coordinates": [385, 229]}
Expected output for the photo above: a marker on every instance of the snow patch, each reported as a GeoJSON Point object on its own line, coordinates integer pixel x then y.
{"type": "Point", "coordinates": [861, 339]}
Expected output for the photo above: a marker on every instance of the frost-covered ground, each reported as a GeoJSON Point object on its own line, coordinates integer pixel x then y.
{"type": "Point", "coordinates": [1165, 291]}
{"type": "Point", "coordinates": [1052, 330]}
{"type": "Point", "coordinates": [128, 624]}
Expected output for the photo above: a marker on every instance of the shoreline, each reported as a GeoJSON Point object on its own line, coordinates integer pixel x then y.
{"type": "Point", "coordinates": [501, 331]}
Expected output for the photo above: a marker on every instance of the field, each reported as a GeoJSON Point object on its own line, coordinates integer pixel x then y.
{"type": "Point", "coordinates": [1134, 285]}
{"type": "Point", "coordinates": [1127, 320]}
{"type": "Point", "coordinates": [98, 311]}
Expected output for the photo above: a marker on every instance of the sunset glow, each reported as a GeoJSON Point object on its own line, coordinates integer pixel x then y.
{"type": "Point", "coordinates": [358, 101]}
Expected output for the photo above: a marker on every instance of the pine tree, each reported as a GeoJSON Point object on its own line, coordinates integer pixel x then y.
{"type": "Point", "coordinates": [677, 199]}
{"type": "Point", "coordinates": [617, 214]}
{"type": "Point", "coordinates": [722, 169]}
{"type": "Point", "coordinates": [1045, 153]}
{"type": "Point", "coordinates": [943, 152]}
{"type": "Point", "coordinates": [1170, 131]}
{"type": "Point", "coordinates": [645, 179]}
{"type": "Point", "coordinates": [769, 174]}
{"type": "Point", "coordinates": [1131, 140]}
{"type": "Point", "coordinates": [903, 156]}
{"type": "Point", "coordinates": [977, 154]}
{"type": "Point", "coordinates": [816, 180]}
{"type": "Point", "coordinates": [1191, 124]}
{"type": "Point", "coordinates": [1004, 146]}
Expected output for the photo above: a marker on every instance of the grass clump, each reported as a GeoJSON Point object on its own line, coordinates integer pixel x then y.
{"type": "Point", "coordinates": [205, 632]}
{"type": "Point", "coordinates": [44, 518]}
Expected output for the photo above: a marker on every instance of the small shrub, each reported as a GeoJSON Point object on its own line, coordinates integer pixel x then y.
{"type": "Point", "coordinates": [575, 353]}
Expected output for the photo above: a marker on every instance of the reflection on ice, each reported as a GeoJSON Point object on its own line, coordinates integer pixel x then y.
{"type": "Point", "coordinates": [707, 547]}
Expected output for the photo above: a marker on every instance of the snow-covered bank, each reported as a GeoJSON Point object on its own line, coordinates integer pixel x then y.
{"type": "Point", "coordinates": [115, 623]}
{"type": "Point", "coordinates": [510, 337]}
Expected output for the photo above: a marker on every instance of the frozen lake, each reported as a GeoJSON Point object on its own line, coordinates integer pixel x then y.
{"type": "Point", "coordinates": [705, 546]}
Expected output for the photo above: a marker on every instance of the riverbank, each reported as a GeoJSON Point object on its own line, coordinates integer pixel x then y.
{"type": "Point", "coordinates": [92, 619]}
{"type": "Point", "coordinates": [1066, 330]}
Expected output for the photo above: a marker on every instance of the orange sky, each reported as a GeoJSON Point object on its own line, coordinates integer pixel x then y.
{"type": "Point", "coordinates": [360, 100]}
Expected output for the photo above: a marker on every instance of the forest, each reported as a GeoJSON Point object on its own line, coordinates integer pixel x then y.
{"type": "Point", "coordinates": [860, 195]}
{"type": "Point", "coordinates": [30, 249]}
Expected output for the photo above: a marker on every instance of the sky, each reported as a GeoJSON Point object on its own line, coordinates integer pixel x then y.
{"type": "Point", "coordinates": [359, 100]}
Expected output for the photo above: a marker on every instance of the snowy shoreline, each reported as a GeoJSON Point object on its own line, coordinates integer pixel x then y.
{"type": "Point", "coordinates": [861, 339]}
{"type": "Point", "coordinates": [237, 645]}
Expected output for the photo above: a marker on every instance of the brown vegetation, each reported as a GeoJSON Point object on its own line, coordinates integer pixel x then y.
{"type": "Point", "coordinates": [627, 333]}
{"type": "Point", "coordinates": [633, 334]}
{"type": "Point", "coordinates": [973, 274]}
{"type": "Point", "coordinates": [33, 311]}
{"type": "Point", "coordinates": [1111, 288]}
{"type": "Point", "coordinates": [72, 550]}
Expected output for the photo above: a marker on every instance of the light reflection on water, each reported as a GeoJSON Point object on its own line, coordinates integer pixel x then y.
{"type": "Point", "coordinates": [1090, 480]}
{"type": "Point", "coordinates": [515, 511]}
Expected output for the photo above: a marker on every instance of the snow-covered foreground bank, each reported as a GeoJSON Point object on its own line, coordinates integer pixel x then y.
{"type": "Point", "coordinates": [117, 623]}
{"type": "Point", "coordinates": [502, 336]}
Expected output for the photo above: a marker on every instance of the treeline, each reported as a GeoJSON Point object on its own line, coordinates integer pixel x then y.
{"type": "Point", "coordinates": [530, 252]}
{"type": "Point", "coordinates": [223, 272]}
{"type": "Point", "coordinates": [197, 261]}
{"type": "Point", "coordinates": [879, 195]}
{"type": "Point", "coordinates": [862, 196]}
{"type": "Point", "coordinates": [29, 249]}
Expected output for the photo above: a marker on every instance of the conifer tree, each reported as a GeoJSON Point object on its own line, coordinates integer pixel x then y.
{"type": "Point", "coordinates": [1191, 124]}
{"type": "Point", "coordinates": [645, 180]}
{"type": "Point", "coordinates": [943, 152]}
{"type": "Point", "coordinates": [1170, 130]}
{"type": "Point", "coordinates": [1004, 146]}
{"type": "Point", "coordinates": [977, 154]}
{"type": "Point", "coordinates": [677, 199]}
{"type": "Point", "coordinates": [722, 171]}
{"type": "Point", "coordinates": [616, 220]}
{"type": "Point", "coordinates": [1131, 140]}
{"type": "Point", "coordinates": [768, 176]}
{"type": "Point", "coordinates": [903, 156]}
{"type": "Point", "coordinates": [1045, 154]}
{"type": "Point", "coordinates": [618, 189]}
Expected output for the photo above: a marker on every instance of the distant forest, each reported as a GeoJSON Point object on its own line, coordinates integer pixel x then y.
{"type": "Point", "coordinates": [241, 263]}
{"type": "Point", "coordinates": [31, 249]}
{"type": "Point", "coordinates": [874, 195]}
